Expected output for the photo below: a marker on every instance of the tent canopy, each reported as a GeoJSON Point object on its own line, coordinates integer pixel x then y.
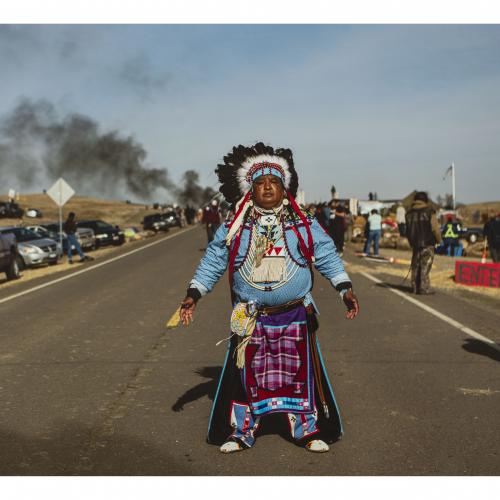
{"type": "Point", "coordinates": [407, 201]}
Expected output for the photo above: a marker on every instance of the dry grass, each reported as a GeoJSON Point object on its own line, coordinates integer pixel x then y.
{"type": "Point", "coordinates": [114, 212]}
{"type": "Point", "coordinates": [485, 209]}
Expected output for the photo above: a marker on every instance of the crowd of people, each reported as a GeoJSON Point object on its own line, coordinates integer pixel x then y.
{"type": "Point", "coordinates": [338, 222]}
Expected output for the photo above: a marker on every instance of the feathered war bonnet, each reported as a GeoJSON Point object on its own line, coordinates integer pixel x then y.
{"type": "Point", "coordinates": [240, 169]}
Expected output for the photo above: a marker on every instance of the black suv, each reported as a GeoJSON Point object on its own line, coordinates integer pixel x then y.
{"type": "Point", "coordinates": [105, 234]}
{"type": "Point", "coordinates": [155, 222]}
{"type": "Point", "coordinates": [172, 219]}
{"type": "Point", "coordinates": [10, 209]}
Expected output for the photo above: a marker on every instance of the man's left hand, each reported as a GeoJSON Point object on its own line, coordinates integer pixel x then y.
{"type": "Point", "coordinates": [352, 304]}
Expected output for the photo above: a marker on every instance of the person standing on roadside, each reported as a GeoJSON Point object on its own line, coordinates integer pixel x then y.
{"type": "Point", "coordinates": [374, 232]}
{"type": "Point", "coordinates": [401, 219]}
{"type": "Point", "coordinates": [211, 219]}
{"type": "Point", "coordinates": [70, 228]}
{"type": "Point", "coordinates": [349, 221]}
{"type": "Point", "coordinates": [273, 363]}
{"type": "Point", "coordinates": [337, 229]}
{"type": "Point", "coordinates": [491, 232]}
{"type": "Point", "coordinates": [422, 231]}
{"type": "Point", "coordinates": [450, 235]}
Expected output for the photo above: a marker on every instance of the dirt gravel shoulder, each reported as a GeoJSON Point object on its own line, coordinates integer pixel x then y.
{"type": "Point", "coordinates": [33, 275]}
{"type": "Point", "coordinates": [442, 274]}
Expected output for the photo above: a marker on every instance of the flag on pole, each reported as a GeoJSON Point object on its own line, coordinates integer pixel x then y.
{"type": "Point", "coordinates": [449, 170]}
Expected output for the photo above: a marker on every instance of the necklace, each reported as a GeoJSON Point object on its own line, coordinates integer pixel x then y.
{"type": "Point", "coordinates": [267, 211]}
{"type": "Point", "coordinates": [279, 268]}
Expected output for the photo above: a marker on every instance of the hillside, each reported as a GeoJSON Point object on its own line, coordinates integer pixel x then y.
{"type": "Point", "coordinates": [114, 212]}
{"type": "Point", "coordinates": [485, 210]}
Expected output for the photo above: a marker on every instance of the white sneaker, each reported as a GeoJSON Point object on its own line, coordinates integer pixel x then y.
{"type": "Point", "coordinates": [231, 447]}
{"type": "Point", "coordinates": [317, 446]}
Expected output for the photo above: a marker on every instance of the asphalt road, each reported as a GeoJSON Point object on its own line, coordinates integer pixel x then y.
{"type": "Point", "coordinates": [92, 383]}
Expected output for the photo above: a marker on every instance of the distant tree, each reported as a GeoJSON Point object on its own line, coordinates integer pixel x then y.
{"type": "Point", "coordinates": [191, 191]}
{"type": "Point", "coordinates": [446, 201]}
{"type": "Point", "coordinates": [208, 194]}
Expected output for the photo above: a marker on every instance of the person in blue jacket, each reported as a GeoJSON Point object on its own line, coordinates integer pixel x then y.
{"type": "Point", "coordinates": [273, 363]}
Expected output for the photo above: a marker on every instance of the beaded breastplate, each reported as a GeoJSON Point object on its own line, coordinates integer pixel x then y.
{"type": "Point", "coordinates": [267, 265]}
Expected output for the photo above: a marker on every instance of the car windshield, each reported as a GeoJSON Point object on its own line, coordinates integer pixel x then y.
{"type": "Point", "coordinates": [103, 225]}
{"type": "Point", "coordinates": [99, 224]}
{"type": "Point", "coordinates": [41, 231]}
{"type": "Point", "coordinates": [23, 234]}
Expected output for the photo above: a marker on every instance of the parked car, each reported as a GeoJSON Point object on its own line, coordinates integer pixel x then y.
{"type": "Point", "coordinates": [85, 236]}
{"type": "Point", "coordinates": [8, 256]}
{"type": "Point", "coordinates": [105, 234]}
{"type": "Point", "coordinates": [472, 234]}
{"type": "Point", "coordinates": [34, 213]}
{"type": "Point", "coordinates": [11, 210]}
{"type": "Point", "coordinates": [33, 250]}
{"type": "Point", "coordinates": [155, 222]}
{"type": "Point", "coordinates": [172, 219]}
{"type": "Point", "coordinates": [45, 233]}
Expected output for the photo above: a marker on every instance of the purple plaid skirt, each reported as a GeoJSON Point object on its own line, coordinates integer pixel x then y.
{"type": "Point", "coordinates": [278, 372]}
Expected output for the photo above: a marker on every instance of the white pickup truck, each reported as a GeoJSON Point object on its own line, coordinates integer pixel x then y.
{"type": "Point", "coordinates": [8, 256]}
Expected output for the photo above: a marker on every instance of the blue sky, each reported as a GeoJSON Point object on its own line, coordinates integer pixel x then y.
{"type": "Point", "coordinates": [365, 107]}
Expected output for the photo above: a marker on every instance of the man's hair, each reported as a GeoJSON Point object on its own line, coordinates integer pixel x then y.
{"type": "Point", "coordinates": [374, 211]}
{"type": "Point", "coordinates": [71, 215]}
{"type": "Point", "coordinates": [422, 196]}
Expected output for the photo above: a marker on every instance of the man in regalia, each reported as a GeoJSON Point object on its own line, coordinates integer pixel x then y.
{"type": "Point", "coordinates": [273, 361]}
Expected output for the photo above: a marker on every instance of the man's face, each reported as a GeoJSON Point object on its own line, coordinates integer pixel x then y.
{"type": "Point", "coordinates": [268, 191]}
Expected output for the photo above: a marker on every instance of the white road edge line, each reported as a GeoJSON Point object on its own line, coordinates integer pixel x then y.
{"type": "Point", "coordinates": [441, 316]}
{"type": "Point", "coordinates": [91, 268]}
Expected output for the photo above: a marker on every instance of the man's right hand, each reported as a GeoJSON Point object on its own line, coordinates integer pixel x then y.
{"type": "Point", "coordinates": [188, 306]}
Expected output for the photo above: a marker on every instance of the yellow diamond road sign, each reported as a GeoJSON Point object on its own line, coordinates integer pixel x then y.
{"type": "Point", "coordinates": [60, 192]}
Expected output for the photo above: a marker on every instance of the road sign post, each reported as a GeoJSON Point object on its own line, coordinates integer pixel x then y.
{"type": "Point", "coordinates": [60, 192]}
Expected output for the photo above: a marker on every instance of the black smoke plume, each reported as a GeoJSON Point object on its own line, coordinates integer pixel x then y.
{"type": "Point", "coordinates": [36, 146]}
{"type": "Point", "coordinates": [191, 192]}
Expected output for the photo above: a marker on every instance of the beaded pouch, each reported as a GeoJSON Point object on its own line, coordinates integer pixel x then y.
{"type": "Point", "coordinates": [241, 318]}
{"type": "Point", "coordinates": [243, 321]}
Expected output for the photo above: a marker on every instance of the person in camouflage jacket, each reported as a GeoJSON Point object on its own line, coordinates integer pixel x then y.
{"type": "Point", "coordinates": [422, 231]}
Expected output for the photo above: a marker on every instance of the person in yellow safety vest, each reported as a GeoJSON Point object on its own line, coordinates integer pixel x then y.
{"type": "Point", "coordinates": [450, 234]}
